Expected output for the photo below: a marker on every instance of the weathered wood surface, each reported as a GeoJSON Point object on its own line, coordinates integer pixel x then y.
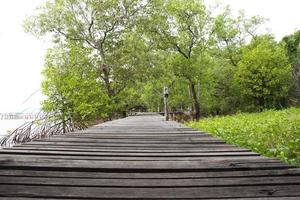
{"type": "Point", "coordinates": [142, 157]}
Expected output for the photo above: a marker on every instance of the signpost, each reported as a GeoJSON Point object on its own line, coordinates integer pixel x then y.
{"type": "Point", "coordinates": [166, 94]}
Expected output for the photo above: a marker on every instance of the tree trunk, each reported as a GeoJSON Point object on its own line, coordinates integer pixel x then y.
{"type": "Point", "coordinates": [195, 99]}
{"type": "Point", "coordinates": [106, 72]}
{"type": "Point", "coordinates": [260, 102]}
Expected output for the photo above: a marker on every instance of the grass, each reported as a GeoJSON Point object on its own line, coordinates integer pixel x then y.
{"type": "Point", "coordinates": [271, 133]}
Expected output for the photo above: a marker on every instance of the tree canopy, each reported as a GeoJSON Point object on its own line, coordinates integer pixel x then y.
{"type": "Point", "coordinates": [291, 44]}
{"type": "Point", "coordinates": [264, 74]}
{"type": "Point", "coordinates": [113, 56]}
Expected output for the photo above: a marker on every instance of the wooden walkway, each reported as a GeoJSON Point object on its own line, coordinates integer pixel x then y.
{"type": "Point", "coordinates": [142, 157]}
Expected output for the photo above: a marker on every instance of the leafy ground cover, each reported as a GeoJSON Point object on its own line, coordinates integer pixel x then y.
{"type": "Point", "coordinates": [271, 133]}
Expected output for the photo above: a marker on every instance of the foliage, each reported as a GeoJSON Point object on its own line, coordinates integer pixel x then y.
{"type": "Point", "coordinates": [189, 31]}
{"type": "Point", "coordinates": [116, 56]}
{"type": "Point", "coordinates": [263, 74]}
{"type": "Point", "coordinates": [292, 47]}
{"type": "Point", "coordinates": [271, 133]}
{"type": "Point", "coordinates": [181, 27]}
{"type": "Point", "coordinates": [72, 87]}
{"type": "Point", "coordinates": [104, 31]}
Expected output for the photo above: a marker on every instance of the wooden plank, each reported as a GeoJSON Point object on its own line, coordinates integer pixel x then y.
{"type": "Point", "coordinates": [17, 162]}
{"type": "Point", "coordinates": [133, 136]}
{"type": "Point", "coordinates": [159, 193]}
{"type": "Point", "coordinates": [136, 133]}
{"type": "Point", "coordinates": [135, 154]}
{"type": "Point", "coordinates": [151, 174]}
{"type": "Point", "coordinates": [95, 146]}
{"type": "Point", "coordinates": [164, 145]}
{"type": "Point", "coordinates": [130, 140]}
{"type": "Point", "coordinates": [117, 141]}
{"type": "Point", "coordinates": [206, 159]}
{"type": "Point", "coordinates": [153, 183]}
{"type": "Point", "coordinates": [258, 198]}
{"type": "Point", "coordinates": [124, 150]}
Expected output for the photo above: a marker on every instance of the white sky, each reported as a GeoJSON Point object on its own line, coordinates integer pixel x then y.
{"type": "Point", "coordinates": [22, 55]}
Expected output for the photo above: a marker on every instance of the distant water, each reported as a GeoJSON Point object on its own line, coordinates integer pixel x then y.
{"type": "Point", "coordinates": [10, 125]}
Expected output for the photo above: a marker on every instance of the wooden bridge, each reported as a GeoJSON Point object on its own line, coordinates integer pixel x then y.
{"type": "Point", "coordinates": [142, 157]}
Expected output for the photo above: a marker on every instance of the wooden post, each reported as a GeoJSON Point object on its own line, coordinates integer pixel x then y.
{"type": "Point", "coordinates": [166, 94]}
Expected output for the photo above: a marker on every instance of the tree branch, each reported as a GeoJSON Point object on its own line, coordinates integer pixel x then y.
{"type": "Point", "coordinates": [180, 51]}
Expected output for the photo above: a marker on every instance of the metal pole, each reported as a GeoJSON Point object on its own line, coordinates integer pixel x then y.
{"type": "Point", "coordinates": [166, 94]}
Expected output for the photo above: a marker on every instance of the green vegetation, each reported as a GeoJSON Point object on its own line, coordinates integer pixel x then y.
{"type": "Point", "coordinates": [272, 133]}
{"type": "Point", "coordinates": [292, 47]}
{"type": "Point", "coordinates": [263, 74]}
{"type": "Point", "coordinates": [115, 56]}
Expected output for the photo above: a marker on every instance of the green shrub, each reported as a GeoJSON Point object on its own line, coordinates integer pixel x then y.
{"type": "Point", "coordinates": [271, 133]}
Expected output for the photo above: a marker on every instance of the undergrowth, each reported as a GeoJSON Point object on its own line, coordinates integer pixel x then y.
{"type": "Point", "coordinates": [271, 133]}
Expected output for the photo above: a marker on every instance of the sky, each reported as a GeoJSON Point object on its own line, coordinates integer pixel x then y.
{"type": "Point", "coordinates": [21, 58]}
{"type": "Point", "coordinates": [22, 55]}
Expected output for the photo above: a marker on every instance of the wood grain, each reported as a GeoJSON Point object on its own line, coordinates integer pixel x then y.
{"type": "Point", "coordinates": [142, 157]}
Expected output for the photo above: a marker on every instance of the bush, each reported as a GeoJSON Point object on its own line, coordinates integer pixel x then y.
{"type": "Point", "coordinates": [271, 133]}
